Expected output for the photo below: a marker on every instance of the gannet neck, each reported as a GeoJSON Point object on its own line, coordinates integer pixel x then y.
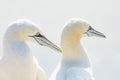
{"type": "Point", "coordinates": [72, 48]}
{"type": "Point", "coordinates": [13, 48]}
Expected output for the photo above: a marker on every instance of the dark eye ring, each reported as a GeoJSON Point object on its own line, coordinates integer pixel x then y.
{"type": "Point", "coordinates": [89, 28]}
{"type": "Point", "coordinates": [38, 35]}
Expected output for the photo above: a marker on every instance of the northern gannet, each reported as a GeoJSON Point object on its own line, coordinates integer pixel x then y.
{"type": "Point", "coordinates": [75, 64]}
{"type": "Point", "coordinates": [17, 62]}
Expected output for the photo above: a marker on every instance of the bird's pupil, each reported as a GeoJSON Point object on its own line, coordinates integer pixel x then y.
{"type": "Point", "coordinates": [89, 28]}
{"type": "Point", "coordinates": [38, 35]}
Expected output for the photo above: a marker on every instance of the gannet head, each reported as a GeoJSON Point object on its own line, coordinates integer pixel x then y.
{"type": "Point", "coordinates": [72, 33]}
{"type": "Point", "coordinates": [77, 28]}
{"type": "Point", "coordinates": [25, 30]}
{"type": "Point", "coordinates": [74, 30]}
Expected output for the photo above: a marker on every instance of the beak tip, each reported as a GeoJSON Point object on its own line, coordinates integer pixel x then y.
{"type": "Point", "coordinates": [59, 50]}
{"type": "Point", "coordinates": [104, 36]}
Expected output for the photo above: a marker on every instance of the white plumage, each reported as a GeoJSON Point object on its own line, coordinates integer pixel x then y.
{"type": "Point", "coordinates": [17, 62]}
{"type": "Point", "coordinates": [75, 64]}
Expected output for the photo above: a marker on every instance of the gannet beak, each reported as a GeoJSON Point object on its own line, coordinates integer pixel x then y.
{"type": "Point", "coordinates": [42, 40]}
{"type": "Point", "coordinates": [93, 32]}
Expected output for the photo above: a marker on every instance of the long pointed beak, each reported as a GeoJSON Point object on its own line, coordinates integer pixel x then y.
{"type": "Point", "coordinates": [45, 42]}
{"type": "Point", "coordinates": [93, 32]}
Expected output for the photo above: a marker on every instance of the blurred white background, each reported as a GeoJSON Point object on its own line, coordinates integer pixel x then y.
{"type": "Point", "coordinates": [51, 15]}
